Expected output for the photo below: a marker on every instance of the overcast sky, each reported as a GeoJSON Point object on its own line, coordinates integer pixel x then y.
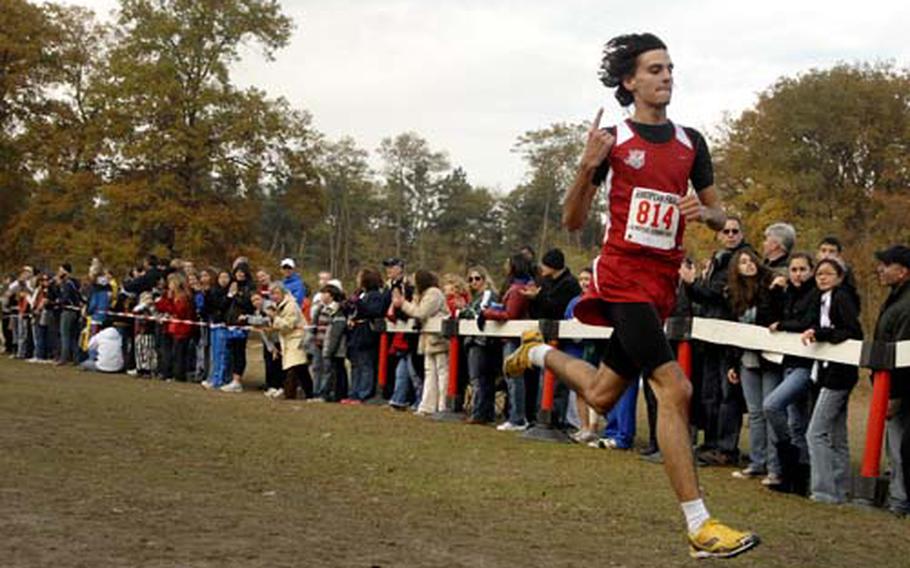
{"type": "Point", "coordinates": [471, 75]}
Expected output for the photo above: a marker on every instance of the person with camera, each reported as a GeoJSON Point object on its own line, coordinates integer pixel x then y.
{"type": "Point", "coordinates": [271, 349]}
{"type": "Point", "coordinates": [287, 320]}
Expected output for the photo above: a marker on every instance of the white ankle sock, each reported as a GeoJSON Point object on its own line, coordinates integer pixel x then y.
{"type": "Point", "coordinates": [696, 514]}
{"type": "Point", "coordinates": [537, 354]}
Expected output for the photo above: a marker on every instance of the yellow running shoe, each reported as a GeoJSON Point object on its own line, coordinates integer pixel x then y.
{"type": "Point", "coordinates": [716, 540]}
{"type": "Point", "coordinates": [519, 361]}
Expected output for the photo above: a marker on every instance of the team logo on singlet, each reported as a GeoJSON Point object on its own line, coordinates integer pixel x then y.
{"type": "Point", "coordinates": [635, 159]}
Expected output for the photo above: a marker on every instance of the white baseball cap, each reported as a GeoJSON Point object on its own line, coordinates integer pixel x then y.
{"type": "Point", "coordinates": [288, 263]}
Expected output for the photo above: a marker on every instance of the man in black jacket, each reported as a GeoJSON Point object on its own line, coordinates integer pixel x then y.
{"type": "Point", "coordinates": [894, 325]}
{"type": "Point", "coordinates": [153, 272]}
{"type": "Point", "coordinates": [555, 288]}
{"type": "Point", "coordinates": [720, 404]}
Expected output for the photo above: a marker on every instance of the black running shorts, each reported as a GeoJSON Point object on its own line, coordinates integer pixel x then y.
{"type": "Point", "coordinates": [638, 344]}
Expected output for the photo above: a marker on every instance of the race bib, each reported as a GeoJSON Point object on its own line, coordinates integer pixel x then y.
{"type": "Point", "coordinates": [653, 218]}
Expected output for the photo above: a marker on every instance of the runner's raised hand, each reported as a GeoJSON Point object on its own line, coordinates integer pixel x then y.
{"type": "Point", "coordinates": [599, 143]}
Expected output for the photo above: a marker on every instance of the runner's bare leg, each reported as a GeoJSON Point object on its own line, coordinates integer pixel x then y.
{"type": "Point", "coordinates": [602, 387]}
{"type": "Point", "coordinates": [674, 391]}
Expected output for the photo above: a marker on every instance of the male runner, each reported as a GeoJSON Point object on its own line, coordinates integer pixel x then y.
{"type": "Point", "coordinates": [647, 163]}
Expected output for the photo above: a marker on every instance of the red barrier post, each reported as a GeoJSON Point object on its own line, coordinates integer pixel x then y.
{"type": "Point", "coordinates": [383, 369]}
{"type": "Point", "coordinates": [875, 427]}
{"type": "Point", "coordinates": [549, 388]}
{"type": "Point", "coordinates": [545, 430]}
{"type": "Point", "coordinates": [452, 387]}
{"type": "Point", "coordinates": [684, 356]}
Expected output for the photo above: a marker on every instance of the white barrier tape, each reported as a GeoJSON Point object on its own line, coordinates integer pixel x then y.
{"type": "Point", "coordinates": [720, 332]}
{"type": "Point", "coordinates": [164, 319]}
{"type": "Point", "coordinates": [759, 338]}
{"type": "Point", "coordinates": [902, 354]}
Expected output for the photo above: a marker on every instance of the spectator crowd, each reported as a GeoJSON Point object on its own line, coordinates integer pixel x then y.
{"type": "Point", "coordinates": [172, 320]}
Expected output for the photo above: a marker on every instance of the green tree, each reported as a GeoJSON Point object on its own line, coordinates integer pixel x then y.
{"type": "Point", "coordinates": [533, 211]}
{"type": "Point", "coordinates": [350, 221]}
{"type": "Point", "coordinates": [412, 171]}
{"type": "Point", "coordinates": [467, 228]}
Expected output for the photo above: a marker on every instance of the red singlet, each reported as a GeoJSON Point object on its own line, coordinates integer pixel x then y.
{"type": "Point", "coordinates": [642, 247]}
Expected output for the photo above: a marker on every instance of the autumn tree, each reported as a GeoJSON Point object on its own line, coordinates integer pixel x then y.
{"type": "Point", "coordinates": [829, 151]}
{"type": "Point", "coordinates": [27, 37]}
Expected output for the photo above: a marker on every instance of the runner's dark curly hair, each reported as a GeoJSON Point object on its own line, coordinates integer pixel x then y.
{"type": "Point", "coordinates": [619, 60]}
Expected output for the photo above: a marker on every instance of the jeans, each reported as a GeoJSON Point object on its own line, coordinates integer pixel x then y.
{"type": "Point", "coordinates": [53, 334]}
{"type": "Point", "coordinates": [516, 389]}
{"type": "Point", "coordinates": [621, 418]}
{"type": "Point", "coordinates": [39, 332]}
{"type": "Point", "coordinates": [407, 381]}
{"type": "Point", "coordinates": [220, 357]}
{"type": "Point", "coordinates": [363, 373]}
{"type": "Point", "coordinates": [786, 410]}
{"type": "Point", "coordinates": [730, 417]}
{"type": "Point", "coordinates": [898, 442]}
{"type": "Point", "coordinates": [829, 452]}
{"type": "Point", "coordinates": [713, 376]}
{"type": "Point", "coordinates": [758, 384]}
{"type": "Point", "coordinates": [24, 334]}
{"type": "Point", "coordinates": [317, 372]}
{"type": "Point", "coordinates": [202, 365]}
{"type": "Point", "coordinates": [335, 377]}
{"type": "Point", "coordinates": [481, 382]}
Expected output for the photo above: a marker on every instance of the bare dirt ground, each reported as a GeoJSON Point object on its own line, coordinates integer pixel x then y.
{"type": "Point", "coordinates": [100, 470]}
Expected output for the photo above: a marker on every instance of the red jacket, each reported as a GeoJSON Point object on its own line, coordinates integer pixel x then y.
{"type": "Point", "coordinates": [515, 305]}
{"type": "Point", "coordinates": [178, 308]}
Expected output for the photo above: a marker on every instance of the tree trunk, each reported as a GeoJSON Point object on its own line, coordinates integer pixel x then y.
{"type": "Point", "coordinates": [543, 232]}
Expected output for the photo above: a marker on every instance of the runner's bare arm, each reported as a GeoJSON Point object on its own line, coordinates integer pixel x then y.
{"type": "Point", "coordinates": [579, 197]}
{"type": "Point", "coordinates": [705, 207]}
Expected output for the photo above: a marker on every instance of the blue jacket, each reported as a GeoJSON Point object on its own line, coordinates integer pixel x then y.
{"type": "Point", "coordinates": [296, 287]}
{"type": "Point", "coordinates": [99, 302]}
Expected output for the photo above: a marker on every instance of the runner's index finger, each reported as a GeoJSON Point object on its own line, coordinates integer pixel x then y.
{"type": "Point", "coordinates": [596, 124]}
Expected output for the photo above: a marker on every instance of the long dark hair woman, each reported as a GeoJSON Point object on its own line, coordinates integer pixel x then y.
{"type": "Point", "coordinates": [515, 305]}
{"type": "Point", "coordinates": [239, 305]}
{"type": "Point", "coordinates": [752, 301]}
{"type": "Point", "coordinates": [366, 309]}
{"type": "Point", "coordinates": [835, 320]}
{"type": "Point", "coordinates": [787, 407]}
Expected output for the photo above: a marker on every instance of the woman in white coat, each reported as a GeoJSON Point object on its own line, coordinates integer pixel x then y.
{"type": "Point", "coordinates": [288, 320]}
{"type": "Point", "coordinates": [429, 302]}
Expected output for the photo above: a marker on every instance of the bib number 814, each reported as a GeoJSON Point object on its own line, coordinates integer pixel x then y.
{"type": "Point", "coordinates": [653, 218]}
{"type": "Point", "coordinates": [645, 209]}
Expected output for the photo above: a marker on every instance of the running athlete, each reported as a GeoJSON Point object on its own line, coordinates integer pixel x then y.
{"type": "Point", "coordinates": [647, 164]}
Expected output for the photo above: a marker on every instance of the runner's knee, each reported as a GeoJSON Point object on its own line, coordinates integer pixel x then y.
{"type": "Point", "coordinates": [671, 387]}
